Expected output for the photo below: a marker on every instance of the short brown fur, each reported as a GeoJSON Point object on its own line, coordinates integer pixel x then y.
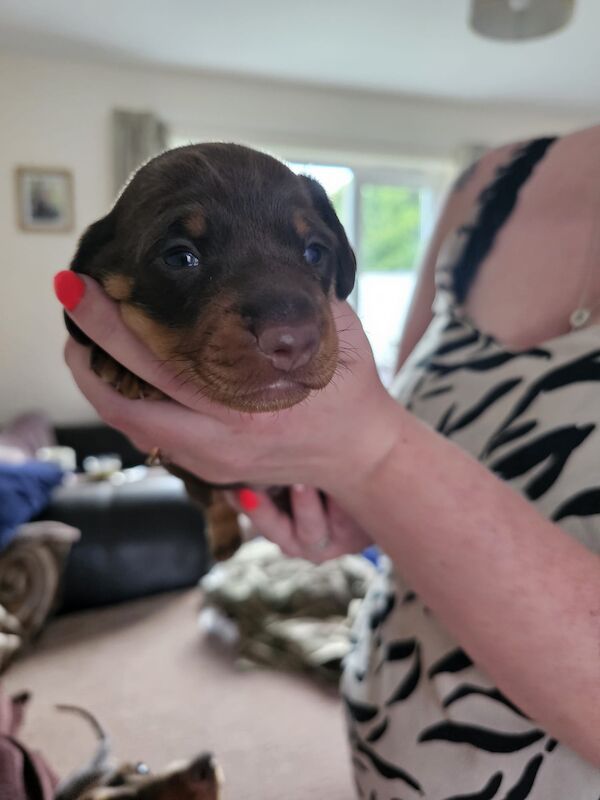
{"type": "Point", "coordinates": [118, 287]}
{"type": "Point", "coordinates": [215, 251]}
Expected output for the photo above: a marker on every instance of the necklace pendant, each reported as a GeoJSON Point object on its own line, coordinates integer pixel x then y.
{"type": "Point", "coordinates": [579, 317]}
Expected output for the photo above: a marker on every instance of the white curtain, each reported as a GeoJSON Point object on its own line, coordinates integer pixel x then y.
{"type": "Point", "coordinates": [137, 137]}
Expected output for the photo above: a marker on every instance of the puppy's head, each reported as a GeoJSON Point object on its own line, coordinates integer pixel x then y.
{"type": "Point", "coordinates": [224, 263]}
{"type": "Point", "coordinates": [198, 779]}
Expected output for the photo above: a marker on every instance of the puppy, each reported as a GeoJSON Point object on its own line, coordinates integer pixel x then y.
{"type": "Point", "coordinates": [224, 262]}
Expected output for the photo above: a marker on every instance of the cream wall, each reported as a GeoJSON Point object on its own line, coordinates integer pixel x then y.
{"type": "Point", "coordinates": [57, 113]}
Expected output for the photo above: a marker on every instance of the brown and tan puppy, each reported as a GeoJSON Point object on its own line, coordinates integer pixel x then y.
{"type": "Point", "coordinates": [197, 779]}
{"type": "Point", "coordinates": [224, 263]}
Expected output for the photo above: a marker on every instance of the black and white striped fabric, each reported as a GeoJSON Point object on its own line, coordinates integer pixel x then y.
{"type": "Point", "coordinates": [424, 721]}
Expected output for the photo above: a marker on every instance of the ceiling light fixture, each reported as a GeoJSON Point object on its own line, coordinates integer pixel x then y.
{"type": "Point", "coordinates": [513, 20]}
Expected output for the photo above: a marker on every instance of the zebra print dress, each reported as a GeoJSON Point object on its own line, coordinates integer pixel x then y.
{"type": "Point", "coordinates": [424, 721]}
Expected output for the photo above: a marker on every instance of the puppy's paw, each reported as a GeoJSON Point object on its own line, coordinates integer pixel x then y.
{"type": "Point", "coordinates": [125, 382]}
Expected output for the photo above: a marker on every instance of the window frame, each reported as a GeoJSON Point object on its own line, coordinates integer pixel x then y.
{"type": "Point", "coordinates": [431, 178]}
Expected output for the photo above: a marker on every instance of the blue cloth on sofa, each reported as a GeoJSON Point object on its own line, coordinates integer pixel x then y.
{"type": "Point", "coordinates": [24, 491]}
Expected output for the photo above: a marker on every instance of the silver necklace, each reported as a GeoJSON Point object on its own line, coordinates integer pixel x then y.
{"type": "Point", "coordinates": [581, 315]}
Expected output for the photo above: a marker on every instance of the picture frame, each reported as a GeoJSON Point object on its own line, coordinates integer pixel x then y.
{"type": "Point", "coordinates": [45, 199]}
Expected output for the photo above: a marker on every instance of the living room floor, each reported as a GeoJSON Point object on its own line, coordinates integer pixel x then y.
{"type": "Point", "coordinates": [163, 693]}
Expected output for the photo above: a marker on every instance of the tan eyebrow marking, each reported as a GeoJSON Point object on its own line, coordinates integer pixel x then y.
{"type": "Point", "coordinates": [195, 224]}
{"type": "Point", "coordinates": [301, 226]}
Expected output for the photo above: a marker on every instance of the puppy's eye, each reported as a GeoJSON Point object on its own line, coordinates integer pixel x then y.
{"type": "Point", "coordinates": [180, 257]}
{"type": "Point", "coordinates": [313, 254]}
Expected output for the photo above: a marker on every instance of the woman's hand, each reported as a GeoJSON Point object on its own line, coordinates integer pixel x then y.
{"type": "Point", "coordinates": [317, 530]}
{"type": "Point", "coordinates": [334, 438]}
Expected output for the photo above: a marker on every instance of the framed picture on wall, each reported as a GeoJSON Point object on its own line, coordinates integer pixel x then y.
{"type": "Point", "coordinates": [45, 199]}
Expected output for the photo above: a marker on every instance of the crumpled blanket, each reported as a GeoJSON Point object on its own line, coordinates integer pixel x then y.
{"type": "Point", "coordinates": [30, 571]}
{"type": "Point", "coordinates": [285, 612]}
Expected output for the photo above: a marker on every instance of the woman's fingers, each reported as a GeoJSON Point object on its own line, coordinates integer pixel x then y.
{"type": "Point", "coordinates": [267, 520]}
{"type": "Point", "coordinates": [312, 525]}
{"type": "Point", "coordinates": [305, 535]}
{"type": "Point", "coordinates": [99, 318]}
{"type": "Point", "coordinates": [149, 423]}
{"type": "Point", "coordinates": [116, 410]}
{"type": "Point", "coordinates": [318, 539]}
{"type": "Point", "coordinates": [356, 538]}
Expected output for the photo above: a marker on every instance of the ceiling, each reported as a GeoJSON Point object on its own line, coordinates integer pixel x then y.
{"type": "Point", "coordinates": [421, 47]}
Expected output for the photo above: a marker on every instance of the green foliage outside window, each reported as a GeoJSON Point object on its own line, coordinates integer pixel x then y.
{"type": "Point", "coordinates": [390, 226]}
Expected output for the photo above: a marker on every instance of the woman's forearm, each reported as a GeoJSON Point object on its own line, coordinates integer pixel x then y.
{"type": "Point", "coordinates": [517, 592]}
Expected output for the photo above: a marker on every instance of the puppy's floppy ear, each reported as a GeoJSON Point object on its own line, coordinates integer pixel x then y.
{"type": "Point", "coordinates": [346, 260]}
{"type": "Point", "coordinates": [93, 251]}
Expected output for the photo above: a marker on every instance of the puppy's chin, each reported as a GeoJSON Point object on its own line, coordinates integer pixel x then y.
{"type": "Point", "coordinates": [275, 396]}
{"type": "Point", "coordinates": [258, 388]}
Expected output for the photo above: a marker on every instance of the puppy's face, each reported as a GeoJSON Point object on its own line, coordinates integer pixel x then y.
{"type": "Point", "coordinates": [224, 263]}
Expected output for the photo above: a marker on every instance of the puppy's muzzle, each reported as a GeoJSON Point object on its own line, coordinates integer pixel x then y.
{"type": "Point", "coordinates": [286, 328]}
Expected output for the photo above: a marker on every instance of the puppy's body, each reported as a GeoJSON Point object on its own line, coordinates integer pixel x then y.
{"type": "Point", "coordinates": [224, 263]}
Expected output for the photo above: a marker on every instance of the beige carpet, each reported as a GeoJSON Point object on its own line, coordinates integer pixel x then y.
{"type": "Point", "coordinates": [164, 694]}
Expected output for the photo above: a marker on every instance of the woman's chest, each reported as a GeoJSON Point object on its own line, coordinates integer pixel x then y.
{"type": "Point", "coordinates": [536, 275]}
{"type": "Point", "coordinates": [531, 417]}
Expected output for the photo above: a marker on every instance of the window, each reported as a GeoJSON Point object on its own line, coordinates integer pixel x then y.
{"type": "Point", "coordinates": [388, 215]}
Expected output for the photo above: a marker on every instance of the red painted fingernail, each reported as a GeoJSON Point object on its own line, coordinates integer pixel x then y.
{"type": "Point", "coordinates": [248, 500]}
{"type": "Point", "coordinates": [69, 288]}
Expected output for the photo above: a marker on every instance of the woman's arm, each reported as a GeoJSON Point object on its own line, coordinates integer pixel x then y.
{"type": "Point", "coordinates": [520, 595]}
{"type": "Point", "coordinates": [517, 592]}
{"type": "Point", "coordinates": [317, 529]}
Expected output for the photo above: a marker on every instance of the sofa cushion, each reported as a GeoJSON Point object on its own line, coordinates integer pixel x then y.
{"type": "Point", "coordinates": [137, 538]}
{"type": "Point", "coordinates": [25, 491]}
{"type": "Point", "coordinates": [98, 439]}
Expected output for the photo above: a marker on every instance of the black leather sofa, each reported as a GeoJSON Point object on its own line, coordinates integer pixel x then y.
{"type": "Point", "coordinates": [137, 538]}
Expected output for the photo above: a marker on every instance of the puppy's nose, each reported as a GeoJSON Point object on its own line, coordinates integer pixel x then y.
{"type": "Point", "coordinates": [289, 347]}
